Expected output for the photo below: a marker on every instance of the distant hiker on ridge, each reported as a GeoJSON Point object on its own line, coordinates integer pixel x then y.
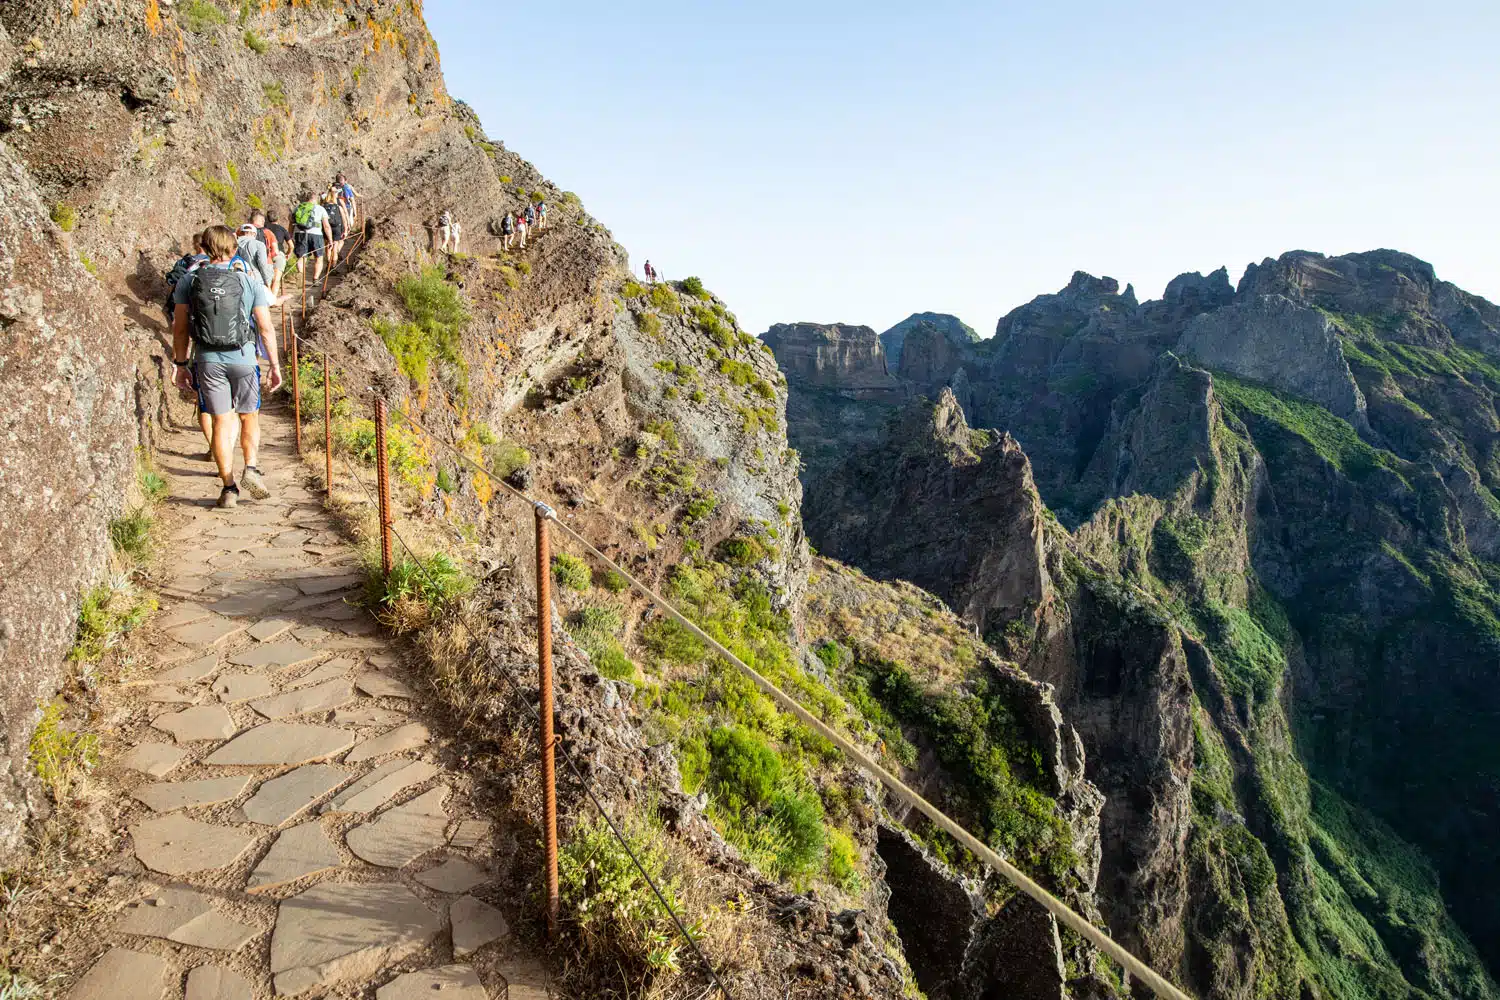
{"type": "Point", "coordinates": [521, 229]}
{"type": "Point", "coordinates": [650, 273]}
{"type": "Point", "coordinates": [221, 311]}
{"type": "Point", "coordinates": [448, 229]}
{"type": "Point", "coordinates": [507, 229]}
{"type": "Point", "coordinates": [541, 215]}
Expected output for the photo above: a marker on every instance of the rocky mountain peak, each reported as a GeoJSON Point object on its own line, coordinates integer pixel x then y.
{"type": "Point", "coordinates": [952, 327]}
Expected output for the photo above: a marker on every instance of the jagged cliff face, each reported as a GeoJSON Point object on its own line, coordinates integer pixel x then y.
{"type": "Point", "coordinates": [951, 327]}
{"type": "Point", "coordinates": [1275, 618]}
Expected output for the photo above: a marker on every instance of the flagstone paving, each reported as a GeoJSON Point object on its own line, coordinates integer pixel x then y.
{"type": "Point", "coordinates": [308, 841]}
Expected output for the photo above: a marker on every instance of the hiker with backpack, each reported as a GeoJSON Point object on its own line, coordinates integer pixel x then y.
{"type": "Point", "coordinates": [448, 230]}
{"type": "Point", "coordinates": [530, 216]}
{"type": "Point", "coordinates": [221, 311]}
{"type": "Point", "coordinates": [541, 215]}
{"type": "Point", "coordinates": [184, 265]}
{"type": "Point", "coordinates": [521, 229]}
{"type": "Point", "coordinates": [311, 232]}
{"type": "Point", "coordinates": [274, 253]}
{"type": "Point", "coordinates": [338, 222]}
{"type": "Point", "coordinates": [253, 252]}
{"type": "Point", "coordinates": [347, 196]}
{"type": "Point", "coordinates": [507, 229]}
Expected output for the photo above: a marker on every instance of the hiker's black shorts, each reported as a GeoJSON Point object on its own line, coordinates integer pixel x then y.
{"type": "Point", "coordinates": [227, 388]}
{"type": "Point", "coordinates": [308, 245]}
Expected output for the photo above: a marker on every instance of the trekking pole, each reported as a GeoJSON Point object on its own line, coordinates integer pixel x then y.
{"type": "Point", "coordinates": [383, 487]}
{"type": "Point", "coordinates": [327, 429]}
{"type": "Point", "coordinates": [296, 398]}
{"type": "Point", "coordinates": [544, 678]}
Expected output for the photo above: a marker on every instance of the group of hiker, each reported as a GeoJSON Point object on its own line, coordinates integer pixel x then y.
{"type": "Point", "coordinates": [220, 310]}
{"type": "Point", "coordinates": [220, 301]}
{"type": "Point", "coordinates": [515, 225]}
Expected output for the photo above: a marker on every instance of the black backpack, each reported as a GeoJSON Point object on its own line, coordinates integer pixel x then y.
{"type": "Point", "coordinates": [216, 306]}
{"type": "Point", "coordinates": [336, 223]}
{"type": "Point", "coordinates": [186, 263]}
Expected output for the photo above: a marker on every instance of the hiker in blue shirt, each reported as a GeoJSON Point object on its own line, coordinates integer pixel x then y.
{"type": "Point", "coordinates": [222, 309]}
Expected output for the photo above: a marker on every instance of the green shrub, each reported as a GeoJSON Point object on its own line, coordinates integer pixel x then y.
{"type": "Point", "coordinates": [199, 16]}
{"type": "Point", "coordinates": [435, 582]}
{"type": "Point", "coordinates": [130, 534]}
{"type": "Point", "coordinates": [843, 862]}
{"type": "Point", "coordinates": [65, 216]}
{"type": "Point", "coordinates": [692, 763]}
{"type": "Point", "coordinates": [612, 581]}
{"type": "Point", "coordinates": [799, 820]}
{"type": "Point", "coordinates": [59, 755]}
{"type": "Point", "coordinates": [571, 572]}
{"type": "Point", "coordinates": [632, 290]}
{"type": "Point", "coordinates": [666, 365]}
{"type": "Point", "coordinates": [108, 611]}
{"type": "Point", "coordinates": [444, 481]}
{"type": "Point", "coordinates": [153, 485]}
{"type": "Point", "coordinates": [221, 193]}
{"type": "Point", "coordinates": [744, 767]}
{"type": "Point", "coordinates": [504, 458]}
{"type": "Point", "coordinates": [699, 508]}
{"type": "Point", "coordinates": [694, 286]}
{"type": "Point", "coordinates": [740, 373]}
{"type": "Point", "coordinates": [650, 325]}
{"type": "Point", "coordinates": [275, 94]}
{"type": "Point", "coordinates": [437, 308]}
{"type": "Point", "coordinates": [255, 43]}
{"type": "Point", "coordinates": [742, 551]}
{"type": "Point", "coordinates": [403, 451]}
{"type": "Point", "coordinates": [595, 624]}
{"type": "Point", "coordinates": [88, 264]}
{"type": "Point", "coordinates": [605, 896]}
{"type": "Point", "coordinates": [663, 298]}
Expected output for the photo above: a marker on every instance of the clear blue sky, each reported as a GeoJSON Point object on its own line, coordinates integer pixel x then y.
{"type": "Point", "coordinates": [860, 161]}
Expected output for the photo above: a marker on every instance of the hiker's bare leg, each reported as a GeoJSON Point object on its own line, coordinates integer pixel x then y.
{"type": "Point", "coordinates": [206, 424]}
{"type": "Point", "coordinates": [223, 445]}
{"type": "Point", "coordinates": [250, 438]}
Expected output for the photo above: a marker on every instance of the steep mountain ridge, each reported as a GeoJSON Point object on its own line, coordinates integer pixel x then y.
{"type": "Point", "coordinates": [1270, 601]}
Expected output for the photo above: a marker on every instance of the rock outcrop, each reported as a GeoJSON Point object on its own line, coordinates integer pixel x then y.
{"type": "Point", "coordinates": [951, 327]}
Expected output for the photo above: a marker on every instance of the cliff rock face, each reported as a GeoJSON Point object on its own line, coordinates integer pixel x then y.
{"type": "Point", "coordinates": [832, 355]}
{"type": "Point", "coordinates": [954, 510]}
{"type": "Point", "coordinates": [1271, 339]}
{"type": "Point", "coordinates": [1279, 581]}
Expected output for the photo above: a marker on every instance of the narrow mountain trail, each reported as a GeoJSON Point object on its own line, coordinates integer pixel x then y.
{"type": "Point", "coordinates": [289, 824]}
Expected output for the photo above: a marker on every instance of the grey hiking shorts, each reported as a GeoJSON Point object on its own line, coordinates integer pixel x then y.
{"type": "Point", "coordinates": [227, 388]}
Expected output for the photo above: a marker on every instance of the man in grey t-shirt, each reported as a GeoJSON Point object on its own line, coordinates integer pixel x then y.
{"type": "Point", "coordinates": [253, 252]}
{"type": "Point", "coordinates": [227, 379]}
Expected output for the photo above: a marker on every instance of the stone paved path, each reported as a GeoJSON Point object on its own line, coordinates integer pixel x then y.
{"type": "Point", "coordinates": [293, 829]}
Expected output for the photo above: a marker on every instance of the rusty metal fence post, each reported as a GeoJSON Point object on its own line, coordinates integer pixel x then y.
{"type": "Point", "coordinates": [383, 487]}
{"type": "Point", "coordinates": [327, 429]}
{"type": "Point", "coordinates": [544, 671]}
{"type": "Point", "coordinates": [296, 398]}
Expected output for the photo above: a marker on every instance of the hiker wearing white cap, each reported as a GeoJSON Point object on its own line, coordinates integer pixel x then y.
{"type": "Point", "coordinates": [253, 253]}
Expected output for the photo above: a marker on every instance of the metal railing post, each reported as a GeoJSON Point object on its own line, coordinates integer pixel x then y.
{"type": "Point", "coordinates": [383, 491]}
{"type": "Point", "coordinates": [544, 679]}
{"type": "Point", "coordinates": [296, 398]}
{"type": "Point", "coordinates": [327, 429]}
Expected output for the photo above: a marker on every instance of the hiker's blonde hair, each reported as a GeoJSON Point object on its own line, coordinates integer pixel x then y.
{"type": "Point", "coordinates": [220, 243]}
